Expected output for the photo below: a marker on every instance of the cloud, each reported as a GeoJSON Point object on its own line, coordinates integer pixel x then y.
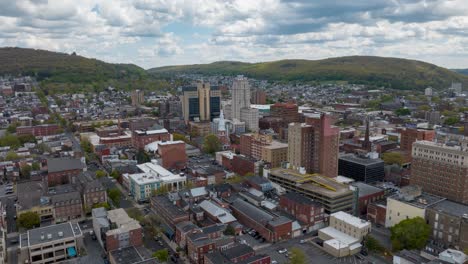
{"type": "Point", "coordinates": [259, 30]}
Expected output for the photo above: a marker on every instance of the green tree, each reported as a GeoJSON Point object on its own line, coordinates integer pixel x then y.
{"type": "Point", "coordinates": [36, 166]}
{"type": "Point", "coordinates": [402, 111]}
{"type": "Point", "coordinates": [373, 244]}
{"type": "Point", "coordinates": [424, 108]}
{"type": "Point", "coordinates": [100, 174]}
{"type": "Point", "coordinates": [162, 255]}
{"type": "Point", "coordinates": [29, 220]}
{"type": "Point", "coordinates": [12, 127]}
{"type": "Point", "coordinates": [211, 144]}
{"type": "Point", "coordinates": [27, 139]}
{"type": "Point", "coordinates": [142, 157]}
{"type": "Point", "coordinates": [10, 140]}
{"type": "Point", "coordinates": [163, 189]}
{"type": "Point", "coordinates": [393, 158]}
{"type": "Point", "coordinates": [410, 234]}
{"type": "Point", "coordinates": [86, 145]}
{"type": "Point", "coordinates": [297, 256]}
{"type": "Point", "coordinates": [229, 231]}
{"type": "Point", "coordinates": [115, 174]}
{"type": "Point", "coordinates": [114, 194]}
{"type": "Point", "coordinates": [103, 204]}
{"type": "Point", "coordinates": [177, 136]}
{"type": "Point", "coordinates": [25, 171]}
{"type": "Point", "coordinates": [451, 120]}
{"type": "Point", "coordinates": [11, 155]}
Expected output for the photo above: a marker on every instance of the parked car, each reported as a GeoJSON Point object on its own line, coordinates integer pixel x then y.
{"type": "Point", "coordinates": [282, 251]}
{"type": "Point", "coordinates": [302, 241]}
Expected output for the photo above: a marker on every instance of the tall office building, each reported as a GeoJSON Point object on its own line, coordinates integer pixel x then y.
{"type": "Point", "coordinates": [240, 96]}
{"type": "Point", "coordinates": [138, 97]}
{"type": "Point", "coordinates": [314, 144]}
{"type": "Point", "coordinates": [201, 102]}
{"type": "Point", "coordinates": [287, 111]}
{"type": "Point", "coordinates": [411, 135]}
{"type": "Point", "coordinates": [441, 170]}
{"type": "Point", "coordinates": [258, 97]}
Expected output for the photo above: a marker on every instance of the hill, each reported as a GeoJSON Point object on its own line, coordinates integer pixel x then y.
{"type": "Point", "coordinates": [61, 67]}
{"type": "Point", "coordinates": [461, 71]}
{"type": "Point", "coordinates": [380, 71]}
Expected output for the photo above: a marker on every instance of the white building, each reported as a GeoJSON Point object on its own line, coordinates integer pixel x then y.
{"type": "Point", "coordinates": [240, 96]}
{"type": "Point", "coordinates": [152, 178]}
{"type": "Point", "coordinates": [428, 91]}
{"type": "Point", "coordinates": [344, 234]}
{"type": "Point", "coordinates": [250, 116]}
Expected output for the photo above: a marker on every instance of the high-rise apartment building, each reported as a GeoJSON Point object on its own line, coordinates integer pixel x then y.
{"type": "Point", "coordinates": [202, 102]}
{"type": "Point", "coordinates": [441, 170]}
{"type": "Point", "coordinates": [287, 111]}
{"type": "Point", "coordinates": [258, 97]}
{"type": "Point", "coordinates": [410, 135]}
{"type": "Point", "coordinates": [314, 145]}
{"type": "Point", "coordinates": [138, 97]}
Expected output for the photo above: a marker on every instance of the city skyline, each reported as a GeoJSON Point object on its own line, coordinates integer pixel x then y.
{"type": "Point", "coordinates": [158, 33]}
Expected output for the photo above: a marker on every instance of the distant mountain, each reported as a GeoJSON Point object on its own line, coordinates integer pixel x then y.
{"type": "Point", "coordinates": [461, 71]}
{"type": "Point", "coordinates": [63, 68]}
{"type": "Point", "coordinates": [379, 71]}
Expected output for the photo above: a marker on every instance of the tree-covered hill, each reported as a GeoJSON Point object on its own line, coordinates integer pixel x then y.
{"type": "Point", "coordinates": [380, 71]}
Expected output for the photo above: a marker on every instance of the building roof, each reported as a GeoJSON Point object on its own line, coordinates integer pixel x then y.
{"type": "Point", "coordinates": [63, 164]}
{"type": "Point", "coordinates": [52, 233]}
{"type": "Point", "coordinates": [220, 213]}
{"type": "Point", "coordinates": [350, 219]}
{"type": "Point", "coordinates": [451, 208]}
{"type": "Point", "coordinates": [237, 251]}
{"type": "Point", "coordinates": [360, 160]}
{"type": "Point", "coordinates": [129, 255]}
{"type": "Point", "coordinates": [154, 173]}
{"type": "Point", "coordinates": [339, 239]}
{"type": "Point", "coordinates": [123, 222]}
{"type": "Point", "coordinates": [29, 194]}
{"type": "Point", "coordinates": [366, 189]}
{"type": "Point", "coordinates": [258, 214]}
{"type": "Point", "coordinates": [172, 209]}
{"type": "Point", "coordinates": [422, 201]}
{"type": "Point", "coordinates": [300, 199]}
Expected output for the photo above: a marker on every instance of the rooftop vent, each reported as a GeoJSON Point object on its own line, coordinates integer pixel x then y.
{"type": "Point", "coordinates": [49, 236]}
{"type": "Point", "coordinates": [60, 234]}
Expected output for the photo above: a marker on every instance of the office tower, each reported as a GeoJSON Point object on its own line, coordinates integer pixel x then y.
{"type": "Point", "coordinates": [359, 168]}
{"type": "Point", "coordinates": [250, 116]}
{"type": "Point", "coordinates": [287, 111]}
{"type": "Point", "coordinates": [240, 96]}
{"type": "Point", "coordinates": [138, 97]}
{"type": "Point", "coordinates": [258, 97]}
{"type": "Point", "coordinates": [441, 170]}
{"type": "Point", "coordinates": [411, 135]}
{"type": "Point", "coordinates": [314, 145]}
{"type": "Point", "coordinates": [201, 102]}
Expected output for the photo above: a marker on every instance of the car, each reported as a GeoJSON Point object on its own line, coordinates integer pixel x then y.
{"type": "Point", "coordinates": [161, 243]}
{"type": "Point", "coordinates": [156, 238]}
{"type": "Point", "coordinates": [302, 241]}
{"type": "Point", "coordinates": [364, 253]}
{"type": "Point", "coordinates": [274, 262]}
{"type": "Point", "coordinates": [93, 237]}
{"type": "Point", "coordinates": [282, 251]}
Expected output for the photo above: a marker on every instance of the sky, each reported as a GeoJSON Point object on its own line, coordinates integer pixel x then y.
{"type": "Point", "coordinates": [152, 33]}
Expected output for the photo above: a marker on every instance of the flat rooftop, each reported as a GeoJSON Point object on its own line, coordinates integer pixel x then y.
{"type": "Point", "coordinates": [350, 219]}
{"type": "Point", "coordinates": [122, 220]}
{"type": "Point", "coordinates": [63, 164]}
{"type": "Point", "coordinates": [423, 201]}
{"type": "Point", "coordinates": [360, 160]}
{"type": "Point", "coordinates": [52, 233]}
{"type": "Point", "coordinates": [450, 207]}
{"type": "Point", "coordinates": [366, 189]}
{"type": "Point", "coordinates": [129, 255]}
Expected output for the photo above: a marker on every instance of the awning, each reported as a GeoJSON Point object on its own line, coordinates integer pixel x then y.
{"type": "Point", "coordinates": [71, 251]}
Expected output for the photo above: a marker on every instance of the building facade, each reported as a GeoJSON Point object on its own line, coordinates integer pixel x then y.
{"type": "Point", "coordinates": [362, 169]}
{"type": "Point", "coordinates": [411, 135]}
{"type": "Point", "coordinates": [201, 102]}
{"type": "Point", "coordinates": [138, 97]}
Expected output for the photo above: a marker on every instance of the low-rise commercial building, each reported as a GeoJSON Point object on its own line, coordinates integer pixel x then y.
{"type": "Point", "coordinates": [143, 137]}
{"type": "Point", "coordinates": [63, 170]}
{"type": "Point", "coordinates": [362, 169]}
{"type": "Point", "coordinates": [51, 244]}
{"type": "Point", "coordinates": [308, 212]}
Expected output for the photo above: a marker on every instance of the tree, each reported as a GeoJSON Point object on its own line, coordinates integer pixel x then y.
{"type": "Point", "coordinates": [410, 234]}
{"type": "Point", "coordinates": [163, 189]}
{"type": "Point", "coordinates": [393, 158]}
{"type": "Point", "coordinates": [100, 174]}
{"type": "Point", "coordinates": [373, 244]}
{"type": "Point", "coordinates": [11, 155]}
{"type": "Point", "coordinates": [297, 256]}
{"type": "Point", "coordinates": [27, 139]}
{"type": "Point", "coordinates": [177, 136]}
{"type": "Point", "coordinates": [211, 144]}
{"type": "Point", "coordinates": [114, 194]}
{"type": "Point", "coordinates": [36, 166]}
{"type": "Point", "coordinates": [12, 127]}
{"type": "Point", "coordinates": [142, 157]}
{"type": "Point", "coordinates": [10, 140]}
{"type": "Point", "coordinates": [103, 204]}
{"type": "Point", "coordinates": [29, 220]}
{"type": "Point", "coordinates": [25, 171]}
{"type": "Point", "coordinates": [424, 108]}
{"type": "Point", "coordinates": [402, 111]}
{"type": "Point", "coordinates": [115, 174]}
{"type": "Point", "coordinates": [451, 120]}
{"type": "Point", "coordinates": [229, 231]}
{"type": "Point", "coordinates": [162, 255]}
{"type": "Point", "coordinates": [86, 145]}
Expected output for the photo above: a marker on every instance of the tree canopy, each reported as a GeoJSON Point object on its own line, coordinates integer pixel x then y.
{"type": "Point", "coordinates": [114, 194]}
{"type": "Point", "coordinates": [410, 234]}
{"type": "Point", "coordinates": [297, 256]}
{"type": "Point", "coordinates": [211, 144]}
{"type": "Point", "coordinates": [393, 158]}
{"type": "Point", "coordinates": [100, 174]}
{"type": "Point", "coordinates": [29, 220]}
{"type": "Point", "coordinates": [162, 255]}
{"type": "Point", "coordinates": [402, 111]}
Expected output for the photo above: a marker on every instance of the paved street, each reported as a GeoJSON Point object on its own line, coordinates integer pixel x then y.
{"type": "Point", "coordinates": [10, 213]}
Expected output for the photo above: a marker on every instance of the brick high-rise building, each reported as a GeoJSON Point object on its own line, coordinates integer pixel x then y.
{"type": "Point", "coordinates": [410, 135]}
{"type": "Point", "coordinates": [138, 97]}
{"type": "Point", "coordinates": [314, 145]}
{"type": "Point", "coordinates": [441, 170]}
{"type": "Point", "coordinates": [258, 97]}
{"type": "Point", "coordinates": [173, 154]}
{"type": "Point", "coordinates": [287, 111]}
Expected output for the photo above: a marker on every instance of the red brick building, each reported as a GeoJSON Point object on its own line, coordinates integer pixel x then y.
{"type": "Point", "coordinates": [367, 195]}
{"type": "Point", "coordinates": [287, 111]}
{"type": "Point", "coordinates": [126, 232]}
{"type": "Point", "coordinates": [169, 212]}
{"type": "Point", "coordinates": [242, 165]}
{"type": "Point", "coordinates": [238, 254]}
{"type": "Point", "coordinates": [173, 154]}
{"type": "Point", "coordinates": [411, 135]}
{"type": "Point", "coordinates": [271, 227]}
{"type": "Point", "coordinates": [210, 239]}
{"type": "Point", "coordinates": [304, 209]}
{"type": "Point", "coordinates": [141, 138]}
{"type": "Point", "coordinates": [258, 97]}
{"type": "Point", "coordinates": [67, 206]}
{"type": "Point", "coordinates": [62, 170]}
{"type": "Point", "coordinates": [377, 212]}
{"type": "Point", "coordinates": [40, 130]}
